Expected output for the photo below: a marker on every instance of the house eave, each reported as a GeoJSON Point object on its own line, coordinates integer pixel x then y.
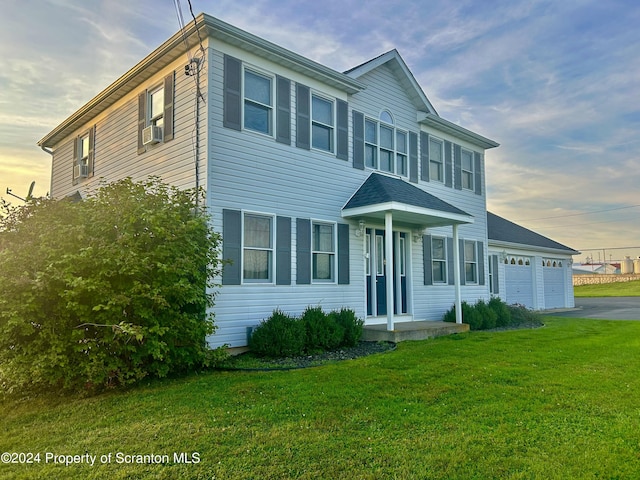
{"type": "Point", "coordinates": [521, 246]}
{"type": "Point", "coordinates": [408, 214]}
{"type": "Point", "coordinates": [438, 123]}
{"type": "Point", "coordinates": [174, 48]}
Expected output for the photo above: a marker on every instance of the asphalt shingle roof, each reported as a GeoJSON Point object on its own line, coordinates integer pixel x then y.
{"type": "Point", "coordinates": [382, 189]}
{"type": "Point", "coordinates": [502, 230]}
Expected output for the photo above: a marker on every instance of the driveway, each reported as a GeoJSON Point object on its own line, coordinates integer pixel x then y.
{"type": "Point", "coordinates": [610, 308]}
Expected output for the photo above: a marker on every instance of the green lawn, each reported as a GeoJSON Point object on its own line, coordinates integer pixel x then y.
{"type": "Point", "coordinates": [561, 402]}
{"type": "Point", "coordinates": [618, 289]}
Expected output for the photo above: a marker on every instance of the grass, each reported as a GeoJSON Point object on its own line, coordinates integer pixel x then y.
{"type": "Point", "coordinates": [555, 402]}
{"type": "Point", "coordinates": [617, 289]}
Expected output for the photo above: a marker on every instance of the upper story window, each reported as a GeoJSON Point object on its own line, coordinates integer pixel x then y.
{"type": "Point", "coordinates": [467, 169]}
{"type": "Point", "coordinates": [258, 102]}
{"type": "Point", "coordinates": [156, 107]}
{"type": "Point", "coordinates": [322, 123]}
{"type": "Point", "coordinates": [385, 146]}
{"type": "Point", "coordinates": [436, 159]}
{"type": "Point", "coordinates": [83, 155]}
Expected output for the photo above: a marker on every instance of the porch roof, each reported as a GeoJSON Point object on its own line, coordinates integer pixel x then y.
{"type": "Point", "coordinates": [409, 204]}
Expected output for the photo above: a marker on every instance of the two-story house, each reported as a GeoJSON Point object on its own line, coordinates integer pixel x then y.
{"type": "Point", "coordinates": [329, 188]}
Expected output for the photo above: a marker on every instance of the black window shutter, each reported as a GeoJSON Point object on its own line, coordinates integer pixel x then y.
{"type": "Point", "coordinates": [75, 159]}
{"type": "Point", "coordinates": [477, 171]}
{"type": "Point", "coordinates": [448, 167]}
{"type": "Point", "coordinates": [343, 254]}
{"type": "Point", "coordinates": [342, 123]}
{"type": "Point", "coordinates": [413, 157]}
{"type": "Point", "coordinates": [283, 251]}
{"type": "Point", "coordinates": [303, 117]}
{"type": "Point", "coordinates": [496, 279]}
{"type": "Point", "coordinates": [480, 262]}
{"type": "Point", "coordinates": [426, 257]}
{"type": "Point", "coordinates": [232, 107]}
{"type": "Point", "coordinates": [142, 120]}
{"type": "Point", "coordinates": [231, 246]}
{"type": "Point", "coordinates": [424, 156]}
{"type": "Point", "coordinates": [450, 265]}
{"type": "Point", "coordinates": [283, 110]}
{"type": "Point", "coordinates": [168, 107]}
{"type": "Point", "coordinates": [457, 165]}
{"type": "Point", "coordinates": [358, 140]}
{"type": "Point", "coordinates": [92, 139]}
{"type": "Point", "coordinates": [303, 251]}
{"type": "Point", "coordinates": [463, 277]}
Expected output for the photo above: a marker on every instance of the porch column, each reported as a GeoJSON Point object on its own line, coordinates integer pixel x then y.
{"type": "Point", "coordinates": [388, 240]}
{"type": "Point", "coordinates": [456, 273]}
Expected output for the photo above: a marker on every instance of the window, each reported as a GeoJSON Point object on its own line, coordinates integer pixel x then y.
{"type": "Point", "coordinates": [258, 102]}
{"type": "Point", "coordinates": [371, 144]}
{"type": "Point", "coordinates": [436, 155]}
{"type": "Point", "coordinates": [324, 252]}
{"type": "Point", "coordinates": [258, 248]}
{"type": "Point", "coordinates": [385, 147]}
{"type": "Point", "coordinates": [402, 167]}
{"type": "Point", "coordinates": [439, 260]}
{"type": "Point", "coordinates": [83, 155]}
{"type": "Point", "coordinates": [493, 276]}
{"type": "Point", "coordinates": [368, 255]}
{"type": "Point", "coordinates": [322, 123]}
{"type": "Point", "coordinates": [83, 150]}
{"type": "Point", "coordinates": [467, 169]}
{"type": "Point", "coordinates": [470, 262]}
{"type": "Point", "coordinates": [156, 107]}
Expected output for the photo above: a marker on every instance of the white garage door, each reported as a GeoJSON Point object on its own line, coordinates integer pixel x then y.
{"type": "Point", "coordinates": [554, 287]}
{"type": "Point", "coordinates": [519, 284]}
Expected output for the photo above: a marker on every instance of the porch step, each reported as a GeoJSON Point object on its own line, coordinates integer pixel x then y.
{"type": "Point", "coordinates": [411, 331]}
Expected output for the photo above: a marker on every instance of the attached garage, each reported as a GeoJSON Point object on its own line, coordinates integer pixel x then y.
{"type": "Point", "coordinates": [518, 276]}
{"type": "Point", "coordinates": [528, 268]}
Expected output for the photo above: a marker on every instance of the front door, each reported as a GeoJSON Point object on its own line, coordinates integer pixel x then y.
{"type": "Point", "coordinates": [377, 274]}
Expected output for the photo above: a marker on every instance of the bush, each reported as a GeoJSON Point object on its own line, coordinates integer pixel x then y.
{"type": "Point", "coordinates": [322, 331]}
{"type": "Point", "coordinates": [278, 336]}
{"type": "Point", "coordinates": [503, 314]}
{"type": "Point", "coordinates": [488, 316]}
{"type": "Point", "coordinates": [351, 324]}
{"type": "Point", "coordinates": [495, 313]}
{"type": "Point", "coordinates": [105, 291]}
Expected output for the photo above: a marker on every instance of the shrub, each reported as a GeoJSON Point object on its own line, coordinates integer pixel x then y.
{"type": "Point", "coordinates": [278, 336]}
{"type": "Point", "coordinates": [105, 291]}
{"type": "Point", "coordinates": [351, 325]}
{"type": "Point", "coordinates": [503, 314]}
{"type": "Point", "coordinates": [521, 314]}
{"type": "Point", "coordinates": [323, 332]}
{"type": "Point", "coordinates": [487, 315]}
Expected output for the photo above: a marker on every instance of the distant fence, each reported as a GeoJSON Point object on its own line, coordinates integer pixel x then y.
{"type": "Point", "coordinates": [596, 279]}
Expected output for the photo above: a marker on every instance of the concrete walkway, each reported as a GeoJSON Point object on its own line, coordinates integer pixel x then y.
{"type": "Point", "coordinates": [608, 308]}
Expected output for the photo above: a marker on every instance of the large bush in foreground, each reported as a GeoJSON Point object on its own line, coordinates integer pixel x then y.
{"type": "Point", "coordinates": [107, 290]}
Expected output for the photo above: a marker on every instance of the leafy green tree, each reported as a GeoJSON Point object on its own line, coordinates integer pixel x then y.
{"type": "Point", "coordinates": [105, 291]}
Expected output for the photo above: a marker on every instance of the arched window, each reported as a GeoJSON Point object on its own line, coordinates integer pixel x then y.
{"type": "Point", "coordinates": [520, 262]}
{"type": "Point", "coordinates": [386, 117]}
{"type": "Point", "coordinates": [513, 261]}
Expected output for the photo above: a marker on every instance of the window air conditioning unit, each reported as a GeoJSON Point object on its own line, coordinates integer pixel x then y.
{"type": "Point", "coordinates": [151, 135]}
{"type": "Point", "coordinates": [81, 171]}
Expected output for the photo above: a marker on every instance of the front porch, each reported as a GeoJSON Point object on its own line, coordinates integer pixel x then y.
{"type": "Point", "coordinates": [403, 331]}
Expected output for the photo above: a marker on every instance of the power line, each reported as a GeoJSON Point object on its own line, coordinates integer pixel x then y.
{"type": "Point", "coordinates": [577, 214]}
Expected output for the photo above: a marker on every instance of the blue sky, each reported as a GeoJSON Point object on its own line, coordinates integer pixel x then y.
{"type": "Point", "coordinates": [556, 83]}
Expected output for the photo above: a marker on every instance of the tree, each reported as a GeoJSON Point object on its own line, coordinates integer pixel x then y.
{"type": "Point", "coordinates": [105, 291]}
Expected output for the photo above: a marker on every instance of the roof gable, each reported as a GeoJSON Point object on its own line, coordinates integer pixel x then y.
{"type": "Point", "coordinates": [502, 230]}
{"type": "Point", "coordinates": [398, 66]}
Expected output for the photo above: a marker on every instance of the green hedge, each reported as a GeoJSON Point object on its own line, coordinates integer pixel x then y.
{"type": "Point", "coordinates": [282, 335]}
{"type": "Point", "coordinates": [495, 313]}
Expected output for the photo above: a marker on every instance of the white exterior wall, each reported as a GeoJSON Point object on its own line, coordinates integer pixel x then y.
{"type": "Point", "coordinates": [116, 141]}
{"type": "Point", "coordinates": [250, 171]}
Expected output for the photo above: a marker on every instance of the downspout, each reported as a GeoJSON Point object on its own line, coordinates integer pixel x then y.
{"type": "Point", "coordinates": [197, 142]}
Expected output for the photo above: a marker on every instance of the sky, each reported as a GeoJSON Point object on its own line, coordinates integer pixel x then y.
{"type": "Point", "coordinates": [556, 83]}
